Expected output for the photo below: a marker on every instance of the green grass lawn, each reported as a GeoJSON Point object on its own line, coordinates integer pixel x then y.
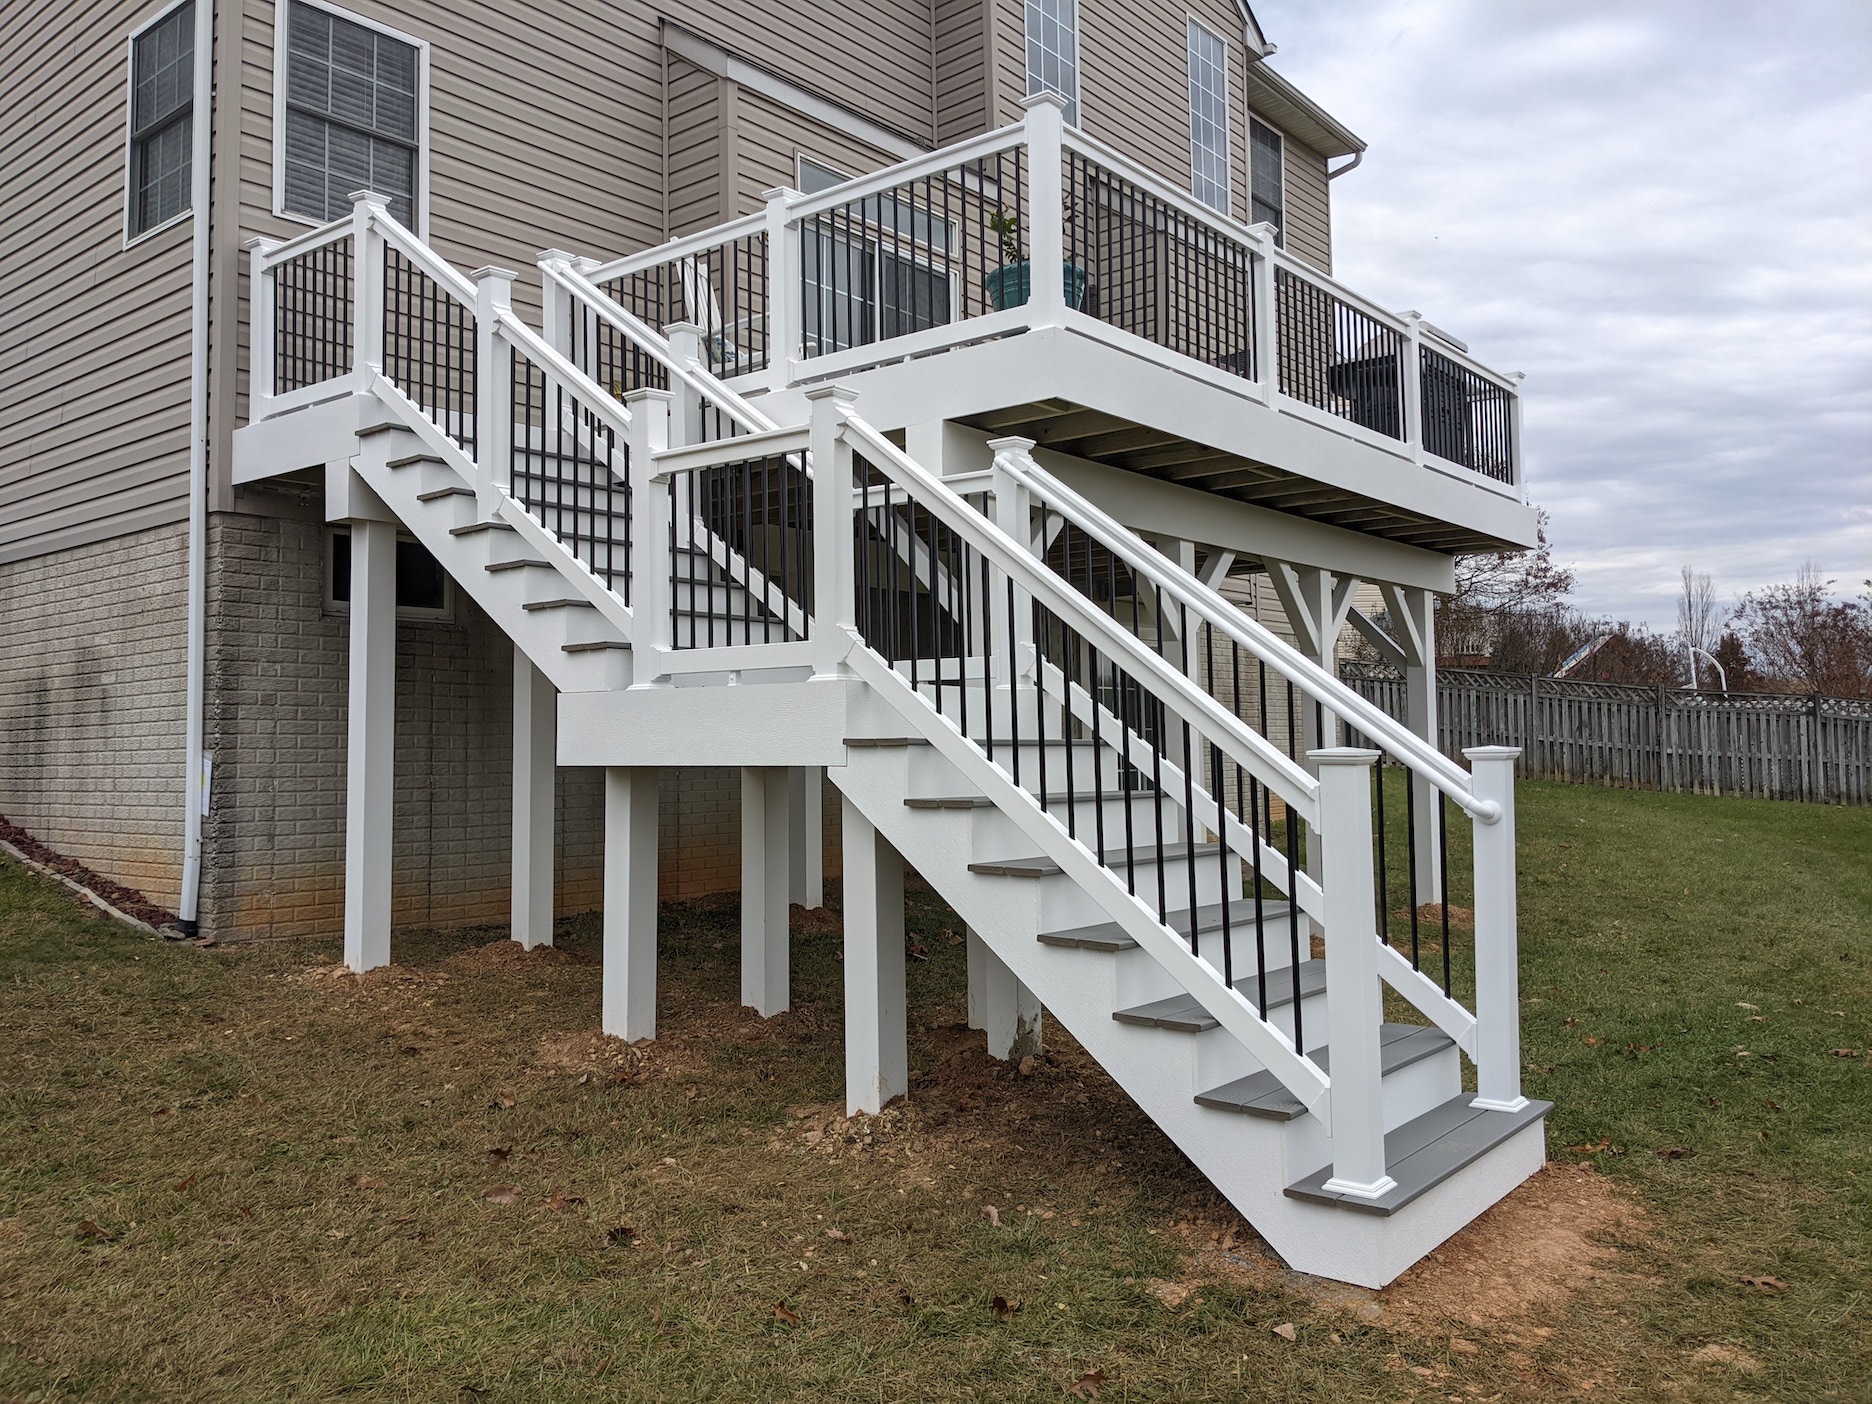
{"type": "Point", "coordinates": [223, 1176]}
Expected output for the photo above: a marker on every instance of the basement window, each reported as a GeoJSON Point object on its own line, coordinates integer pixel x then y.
{"type": "Point", "coordinates": [423, 588]}
{"type": "Point", "coordinates": [162, 127]}
{"type": "Point", "coordinates": [349, 100]}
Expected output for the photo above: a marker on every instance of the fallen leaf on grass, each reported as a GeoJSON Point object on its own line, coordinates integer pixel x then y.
{"type": "Point", "coordinates": [183, 1186]}
{"type": "Point", "coordinates": [91, 1231]}
{"type": "Point", "coordinates": [951, 937]}
{"type": "Point", "coordinates": [1462, 1347]}
{"type": "Point", "coordinates": [838, 1235]}
{"type": "Point", "coordinates": [369, 1182]}
{"type": "Point", "coordinates": [785, 1315]}
{"type": "Point", "coordinates": [1171, 1294]}
{"type": "Point", "coordinates": [1603, 1145]}
{"type": "Point", "coordinates": [992, 1214]}
{"type": "Point", "coordinates": [336, 1233]}
{"type": "Point", "coordinates": [1674, 1152]}
{"type": "Point", "coordinates": [501, 1104]}
{"type": "Point", "coordinates": [1287, 1331]}
{"type": "Point", "coordinates": [1766, 1284]}
{"type": "Point", "coordinates": [1004, 1307]}
{"type": "Point", "coordinates": [1027, 1066]}
{"type": "Point", "coordinates": [1845, 1052]}
{"type": "Point", "coordinates": [560, 1201]}
{"type": "Point", "coordinates": [919, 952]}
{"type": "Point", "coordinates": [1087, 1385]}
{"type": "Point", "coordinates": [621, 1236]}
{"type": "Point", "coordinates": [501, 1194]}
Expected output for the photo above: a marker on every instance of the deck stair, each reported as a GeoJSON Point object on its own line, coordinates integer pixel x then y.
{"type": "Point", "coordinates": [1045, 750]}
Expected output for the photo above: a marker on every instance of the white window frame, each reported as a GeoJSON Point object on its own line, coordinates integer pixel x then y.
{"type": "Point", "coordinates": [1254, 117]}
{"type": "Point", "coordinates": [334, 605]}
{"type": "Point", "coordinates": [130, 237]}
{"type": "Point", "coordinates": [1227, 207]}
{"type": "Point", "coordinates": [281, 16]}
{"type": "Point", "coordinates": [1074, 110]}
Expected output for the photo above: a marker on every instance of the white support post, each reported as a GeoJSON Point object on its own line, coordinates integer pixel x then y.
{"type": "Point", "coordinates": [367, 284]}
{"type": "Point", "coordinates": [261, 304]}
{"type": "Point", "coordinates": [785, 312]}
{"type": "Point", "coordinates": [1046, 208]}
{"type": "Point", "coordinates": [835, 602]}
{"type": "Point", "coordinates": [806, 810]}
{"type": "Point", "coordinates": [1013, 513]}
{"type": "Point", "coordinates": [1316, 603]}
{"type": "Point", "coordinates": [1497, 936]}
{"type": "Point", "coordinates": [370, 777]}
{"type": "Point", "coordinates": [686, 427]}
{"type": "Point", "coordinates": [535, 758]}
{"type": "Point", "coordinates": [978, 957]}
{"type": "Point", "coordinates": [877, 1063]}
{"type": "Point", "coordinates": [1514, 435]}
{"type": "Point", "coordinates": [765, 870]}
{"type": "Point", "coordinates": [630, 902]}
{"type": "Point", "coordinates": [494, 427]}
{"type": "Point", "coordinates": [1354, 1000]}
{"type": "Point", "coordinates": [651, 638]}
{"type": "Point", "coordinates": [1010, 1012]}
{"type": "Point", "coordinates": [1409, 375]}
{"type": "Point", "coordinates": [1266, 313]}
{"type": "Point", "coordinates": [1413, 626]}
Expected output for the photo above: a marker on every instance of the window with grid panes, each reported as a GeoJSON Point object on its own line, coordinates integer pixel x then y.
{"type": "Point", "coordinates": [1267, 203]}
{"type": "Point", "coordinates": [1208, 101]}
{"type": "Point", "coordinates": [1053, 51]}
{"type": "Point", "coordinates": [351, 115]}
{"type": "Point", "coordinates": [162, 108]}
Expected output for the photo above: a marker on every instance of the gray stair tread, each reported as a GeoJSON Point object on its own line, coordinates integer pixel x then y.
{"type": "Point", "coordinates": [1110, 936]}
{"type": "Point", "coordinates": [567, 602]}
{"type": "Point", "coordinates": [885, 742]}
{"type": "Point", "coordinates": [437, 494]}
{"type": "Point", "coordinates": [474, 527]}
{"type": "Point", "coordinates": [1262, 1093]}
{"type": "Point", "coordinates": [983, 802]}
{"type": "Point", "coordinates": [594, 646]}
{"type": "Point", "coordinates": [519, 565]}
{"type": "Point", "coordinates": [1144, 855]}
{"type": "Point", "coordinates": [1423, 1153]}
{"type": "Point", "coordinates": [1185, 1014]}
{"type": "Point", "coordinates": [405, 460]}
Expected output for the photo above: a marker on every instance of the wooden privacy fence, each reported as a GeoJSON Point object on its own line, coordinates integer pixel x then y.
{"type": "Point", "coordinates": [1765, 745]}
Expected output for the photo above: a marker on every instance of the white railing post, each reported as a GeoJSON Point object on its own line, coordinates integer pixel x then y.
{"type": "Point", "coordinates": [1354, 999]}
{"type": "Point", "coordinates": [1046, 207]}
{"type": "Point", "coordinates": [557, 313]}
{"type": "Point", "coordinates": [785, 289]}
{"type": "Point", "coordinates": [1013, 513]}
{"type": "Point", "coordinates": [1410, 387]}
{"type": "Point", "coordinates": [494, 428]}
{"type": "Point", "coordinates": [651, 635]}
{"type": "Point", "coordinates": [262, 305]}
{"type": "Point", "coordinates": [1498, 980]}
{"type": "Point", "coordinates": [1266, 312]}
{"type": "Point", "coordinates": [367, 285]}
{"type": "Point", "coordinates": [1514, 434]}
{"type": "Point", "coordinates": [834, 617]}
{"type": "Point", "coordinates": [685, 344]}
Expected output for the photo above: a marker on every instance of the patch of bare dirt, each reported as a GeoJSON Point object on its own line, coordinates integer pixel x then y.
{"type": "Point", "coordinates": [814, 921]}
{"type": "Point", "coordinates": [500, 957]}
{"type": "Point", "coordinates": [1545, 1243]}
{"type": "Point", "coordinates": [1728, 1356]}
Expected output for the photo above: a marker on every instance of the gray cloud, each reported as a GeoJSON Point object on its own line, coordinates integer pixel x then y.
{"type": "Point", "coordinates": [1663, 214]}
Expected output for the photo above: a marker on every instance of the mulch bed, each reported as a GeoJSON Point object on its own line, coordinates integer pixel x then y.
{"type": "Point", "coordinates": [125, 899]}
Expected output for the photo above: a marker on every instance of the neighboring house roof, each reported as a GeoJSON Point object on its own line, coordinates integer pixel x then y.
{"type": "Point", "coordinates": [1298, 115]}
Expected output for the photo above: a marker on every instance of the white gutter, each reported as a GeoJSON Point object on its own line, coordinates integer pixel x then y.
{"type": "Point", "coordinates": [195, 788]}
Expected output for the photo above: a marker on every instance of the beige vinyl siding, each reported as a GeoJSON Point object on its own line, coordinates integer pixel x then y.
{"type": "Point", "coordinates": [94, 345]}
{"type": "Point", "coordinates": [964, 92]}
{"type": "Point", "coordinates": [769, 139]}
{"type": "Point", "coordinates": [1309, 206]}
{"type": "Point", "coordinates": [697, 156]}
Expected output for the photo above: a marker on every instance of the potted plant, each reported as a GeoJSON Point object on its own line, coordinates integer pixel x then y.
{"type": "Point", "coordinates": [1011, 284]}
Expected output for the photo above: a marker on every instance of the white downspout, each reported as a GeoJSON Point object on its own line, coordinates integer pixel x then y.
{"type": "Point", "coordinates": [195, 787]}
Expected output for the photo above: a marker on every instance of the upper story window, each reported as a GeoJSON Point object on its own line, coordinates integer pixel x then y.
{"type": "Point", "coordinates": [349, 99]}
{"type": "Point", "coordinates": [1267, 184]}
{"type": "Point", "coordinates": [1209, 134]}
{"type": "Point", "coordinates": [162, 106]}
{"type": "Point", "coordinates": [1053, 51]}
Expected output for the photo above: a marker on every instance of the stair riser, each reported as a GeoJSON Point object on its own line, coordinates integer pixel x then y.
{"type": "Point", "coordinates": [1138, 979]}
{"type": "Point", "coordinates": [997, 836]}
{"type": "Point", "coordinates": [1065, 905]}
{"type": "Point", "coordinates": [933, 777]}
{"type": "Point", "coordinates": [1408, 1093]}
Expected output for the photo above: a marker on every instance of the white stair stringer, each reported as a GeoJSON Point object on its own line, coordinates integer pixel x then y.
{"type": "Point", "coordinates": [1252, 1160]}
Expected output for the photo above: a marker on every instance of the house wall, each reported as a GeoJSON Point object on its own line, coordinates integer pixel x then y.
{"type": "Point", "coordinates": [94, 343]}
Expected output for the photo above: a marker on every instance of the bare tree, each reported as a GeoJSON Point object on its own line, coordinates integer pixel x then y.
{"type": "Point", "coordinates": [1506, 594]}
{"type": "Point", "coordinates": [1801, 638]}
{"type": "Point", "coordinates": [1699, 621]}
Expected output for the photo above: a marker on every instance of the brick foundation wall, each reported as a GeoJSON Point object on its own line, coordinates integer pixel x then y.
{"type": "Point", "coordinates": [92, 669]}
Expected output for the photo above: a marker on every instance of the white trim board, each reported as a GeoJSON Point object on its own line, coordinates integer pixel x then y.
{"type": "Point", "coordinates": [281, 9]}
{"type": "Point", "coordinates": [713, 59]}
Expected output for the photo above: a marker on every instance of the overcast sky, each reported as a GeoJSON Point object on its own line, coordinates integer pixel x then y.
{"type": "Point", "coordinates": [1661, 210]}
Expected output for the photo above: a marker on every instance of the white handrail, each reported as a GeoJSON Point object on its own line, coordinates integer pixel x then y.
{"type": "Point", "coordinates": [1251, 634]}
{"type": "Point", "coordinates": [931, 163]}
{"type": "Point", "coordinates": [685, 246]}
{"type": "Point", "coordinates": [273, 254]}
{"type": "Point", "coordinates": [1222, 728]}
